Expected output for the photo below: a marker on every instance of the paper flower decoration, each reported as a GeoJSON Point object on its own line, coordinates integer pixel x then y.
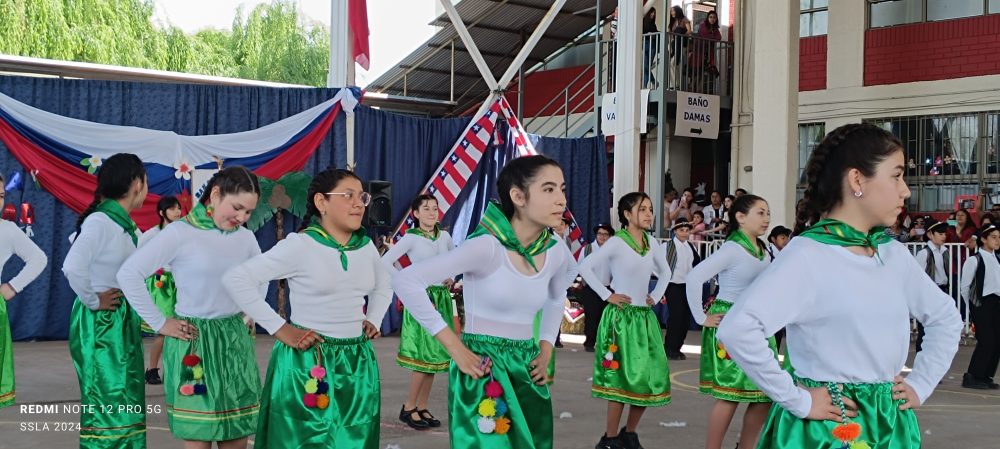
{"type": "Point", "coordinates": [183, 171]}
{"type": "Point", "coordinates": [92, 163]}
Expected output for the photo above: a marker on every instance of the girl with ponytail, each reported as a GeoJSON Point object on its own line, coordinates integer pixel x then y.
{"type": "Point", "coordinates": [322, 386]}
{"type": "Point", "coordinates": [210, 374]}
{"type": "Point", "coordinates": [419, 352]}
{"type": "Point", "coordinates": [737, 263]}
{"type": "Point", "coordinates": [845, 292]}
{"type": "Point", "coordinates": [104, 337]}
{"type": "Point", "coordinates": [160, 285]}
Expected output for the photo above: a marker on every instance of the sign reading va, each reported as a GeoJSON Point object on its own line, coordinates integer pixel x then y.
{"type": "Point", "coordinates": [610, 124]}
{"type": "Point", "coordinates": [697, 115]}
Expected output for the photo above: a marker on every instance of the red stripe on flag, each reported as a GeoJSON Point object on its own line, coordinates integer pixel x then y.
{"type": "Point", "coordinates": [445, 192]}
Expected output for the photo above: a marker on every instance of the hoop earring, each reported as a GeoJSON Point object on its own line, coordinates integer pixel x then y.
{"type": "Point", "coordinates": [858, 194]}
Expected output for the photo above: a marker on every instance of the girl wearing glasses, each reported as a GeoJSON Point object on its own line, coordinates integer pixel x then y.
{"type": "Point", "coordinates": [513, 268]}
{"type": "Point", "coordinates": [419, 352]}
{"type": "Point", "coordinates": [322, 384]}
{"type": "Point", "coordinates": [210, 373]}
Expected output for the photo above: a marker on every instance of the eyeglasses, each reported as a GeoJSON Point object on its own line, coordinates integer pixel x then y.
{"type": "Point", "coordinates": [365, 197]}
{"type": "Point", "coordinates": [603, 234]}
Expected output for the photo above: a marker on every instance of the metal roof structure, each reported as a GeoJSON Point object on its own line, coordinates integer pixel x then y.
{"type": "Point", "coordinates": [441, 68]}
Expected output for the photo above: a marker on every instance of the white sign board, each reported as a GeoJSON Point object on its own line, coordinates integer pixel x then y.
{"type": "Point", "coordinates": [697, 115]}
{"type": "Point", "coordinates": [199, 178]}
{"type": "Point", "coordinates": [610, 125]}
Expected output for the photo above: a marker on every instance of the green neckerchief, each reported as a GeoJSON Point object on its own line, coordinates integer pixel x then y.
{"type": "Point", "coordinates": [835, 232]}
{"type": "Point", "coordinates": [117, 214]}
{"type": "Point", "coordinates": [627, 237]}
{"type": "Point", "coordinates": [432, 236]}
{"type": "Point", "coordinates": [199, 218]}
{"type": "Point", "coordinates": [357, 241]}
{"type": "Point", "coordinates": [495, 223]}
{"type": "Point", "coordinates": [751, 245]}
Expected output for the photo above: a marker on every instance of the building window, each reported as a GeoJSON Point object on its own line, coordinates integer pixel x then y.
{"type": "Point", "coordinates": [954, 9]}
{"type": "Point", "coordinates": [885, 13]}
{"type": "Point", "coordinates": [810, 134]}
{"type": "Point", "coordinates": [812, 17]}
{"type": "Point", "coordinates": [947, 157]}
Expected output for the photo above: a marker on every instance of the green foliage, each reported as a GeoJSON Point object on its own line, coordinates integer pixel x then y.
{"type": "Point", "coordinates": [271, 43]}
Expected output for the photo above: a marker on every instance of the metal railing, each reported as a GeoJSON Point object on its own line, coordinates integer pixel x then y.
{"type": "Point", "coordinates": [958, 253]}
{"type": "Point", "coordinates": [566, 110]}
{"type": "Point", "coordinates": [688, 63]}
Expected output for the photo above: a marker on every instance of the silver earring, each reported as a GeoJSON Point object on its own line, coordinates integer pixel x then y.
{"type": "Point", "coordinates": [858, 194]}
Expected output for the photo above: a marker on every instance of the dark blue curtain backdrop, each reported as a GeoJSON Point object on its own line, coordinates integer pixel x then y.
{"type": "Point", "coordinates": [42, 311]}
{"type": "Point", "coordinates": [407, 150]}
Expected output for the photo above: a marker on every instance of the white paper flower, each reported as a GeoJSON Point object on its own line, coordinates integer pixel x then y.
{"type": "Point", "coordinates": [92, 163]}
{"type": "Point", "coordinates": [609, 356]}
{"type": "Point", "coordinates": [183, 171]}
{"type": "Point", "coordinates": [486, 425]}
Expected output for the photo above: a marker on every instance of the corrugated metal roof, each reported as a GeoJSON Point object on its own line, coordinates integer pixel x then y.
{"type": "Point", "coordinates": [498, 27]}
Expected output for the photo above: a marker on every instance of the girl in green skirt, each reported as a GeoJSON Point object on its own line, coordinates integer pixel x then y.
{"type": "Point", "coordinates": [210, 374]}
{"type": "Point", "coordinates": [498, 396]}
{"type": "Point", "coordinates": [419, 352]}
{"type": "Point", "coordinates": [630, 365]}
{"type": "Point", "coordinates": [13, 242]}
{"type": "Point", "coordinates": [160, 285]}
{"type": "Point", "coordinates": [322, 386]}
{"type": "Point", "coordinates": [845, 292]}
{"type": "Point", "coordinates": [104, 337]}
{"type": "Point", "coordinates": [737, 263]}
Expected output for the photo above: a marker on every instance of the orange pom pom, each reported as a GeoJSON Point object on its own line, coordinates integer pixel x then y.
{"type": "Point", "coordinates": [503, 426]}
{"type": "Point", "coordinates": [612, 348]}
{"type": "Point", "coordinates": [159, 284]}
{"type": "Point", "coordinates": [614, 364]}
{"type": "Point", "coordinates": [847, 432]}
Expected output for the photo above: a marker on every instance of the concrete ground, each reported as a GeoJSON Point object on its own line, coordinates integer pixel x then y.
{"type": "Point", "coordinates": [954, 417]}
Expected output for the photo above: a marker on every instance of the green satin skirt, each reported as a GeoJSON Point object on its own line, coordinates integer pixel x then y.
{"type": "Point", "coordinates": [350, 418]}
{"type": "Point", "coordinates": [720, 377]}
{"type": "Point", "coordinates": [640, 375]}
{"type": "Point", "coordinates": [6, 358]}
{"type": "Point", "coordinates": [883, 425]}
{"type": "Point", "coordinates": [526, 421]}
{"type": "Point", "coordinates": [228, 409]}
{"type": "Point", "coordinates": [162, 289]}
{"type": "Point", "coordinates": [419, 350]}
{"type": "Point", "coordinates": [106, 347]}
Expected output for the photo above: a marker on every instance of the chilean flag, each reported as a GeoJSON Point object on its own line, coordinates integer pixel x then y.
{"type": "Point", "coordinates": [357, 19]}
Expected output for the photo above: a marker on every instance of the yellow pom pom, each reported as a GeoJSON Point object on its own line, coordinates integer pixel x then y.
{"type": "Point", "coordinates": [487, 408]}
{"type": "Point", "coordinates": [311, 386]}
{"type": "Point", "coordinates": [721, 353]}
{"type": "Point", "coordinates": [613, 347]}
{"type": "Point", "coordinates": [197, 372]}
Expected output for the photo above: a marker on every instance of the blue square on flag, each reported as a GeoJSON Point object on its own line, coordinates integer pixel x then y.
{"type": "Point", "coordinates": [442, 174]}
{"type": "Point", "coordinates": [453, 158]}
{"type": "Point", "coordinates": [432, 189]}
{"type": "Point", "coordinates": [465, 143]}
{"type": "Point", "coordinates": [476, 128]}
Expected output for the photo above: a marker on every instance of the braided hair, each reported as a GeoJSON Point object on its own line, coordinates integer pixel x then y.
{"type": "Point", "coordinates": [859, 146]}
{"type": "Point", "coordinates": [627, 202]}
{"type": "Point", "coordinates": [323, 182]}
{"type": "Point", "coordinates": [114, 179]}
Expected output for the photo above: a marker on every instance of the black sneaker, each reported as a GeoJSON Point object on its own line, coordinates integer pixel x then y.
{"type": "Point", "coordinates": [610, 443]}
{"type": "Point", "coordinates": [971, 382]}
{"type": "Point", "coordinates": [630, 440]}
{"type": "Point", "coordinates": [993, 385]}
{"type": "Point", "coordinates": [153, 376]}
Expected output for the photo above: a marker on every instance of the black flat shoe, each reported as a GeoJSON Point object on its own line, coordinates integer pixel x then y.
{"type": "Point", "coordinates": [629, 439]}
{"type": "Point", "coordinates": [971, 382]}
{"type": "Point", "coordinates": [153, 376]}
{"type": "Point", "coordinates": [406, 416]}
{"type": "Point", "coordinates": [429, 418]}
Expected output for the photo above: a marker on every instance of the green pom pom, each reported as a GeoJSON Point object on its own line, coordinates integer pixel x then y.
{"type": "Point", "coordinates": [311, 386]}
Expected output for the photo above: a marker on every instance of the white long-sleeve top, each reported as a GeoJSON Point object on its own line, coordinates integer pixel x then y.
{"type": "Point", "coordinates": [736, 268]}
{"type": "Point", "coordinates": [603, 271]}
{"type": "Point", "coordinates": [937, 252]}
{"type": "Point", "coordinates": [197, 258]}
{"type": "Point", "coordinates": [323, 296]}
{"type": "Point", "coordinates": [98, 251]}
{"type": "Point", "coordinates": [417, 248]}
{"type": "Point", "coordinates": [847, 318]}
{"type": "Point", "coordinates": [13, 242]}
{"type": "Point", "coordinates": [499, 300]}
{"type": "Point", "coordinates": [685, 262]}
{"type": "Point", "coordinates": [991, 278]}
{"type": "Point", "coordinates": [630, 272]}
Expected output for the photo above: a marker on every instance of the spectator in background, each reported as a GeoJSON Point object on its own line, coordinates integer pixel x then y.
{"type": "Point", "coordinates": [777, 240]}
{"type": "Point", "coordinates": [935, 260]}
{"type": "Point", "coordinates": [739, 192]}
{"type": "Point", "coordinates": [988, 219]}
{"type": "Point", "coordinates": [715, 213]}
{"type": "Point", "coordinates": [995, 209]}
{"type": "Point", "coordinates": [650, 47]}
{"type": "Point", "coordinates": [703, 55]}
{"type": "Point", "coordinates": [684, 206]}
{"type": "Point", "coordinates": [965, 228]}
{"type": "Point", "coordinates": [918, 231]}
{"type": "Point", "coordinates": [681, 29]}
{"type": "Point", "coordinates": [898, 232]}
{"type": "Point", "coordinates": [697, 227]}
